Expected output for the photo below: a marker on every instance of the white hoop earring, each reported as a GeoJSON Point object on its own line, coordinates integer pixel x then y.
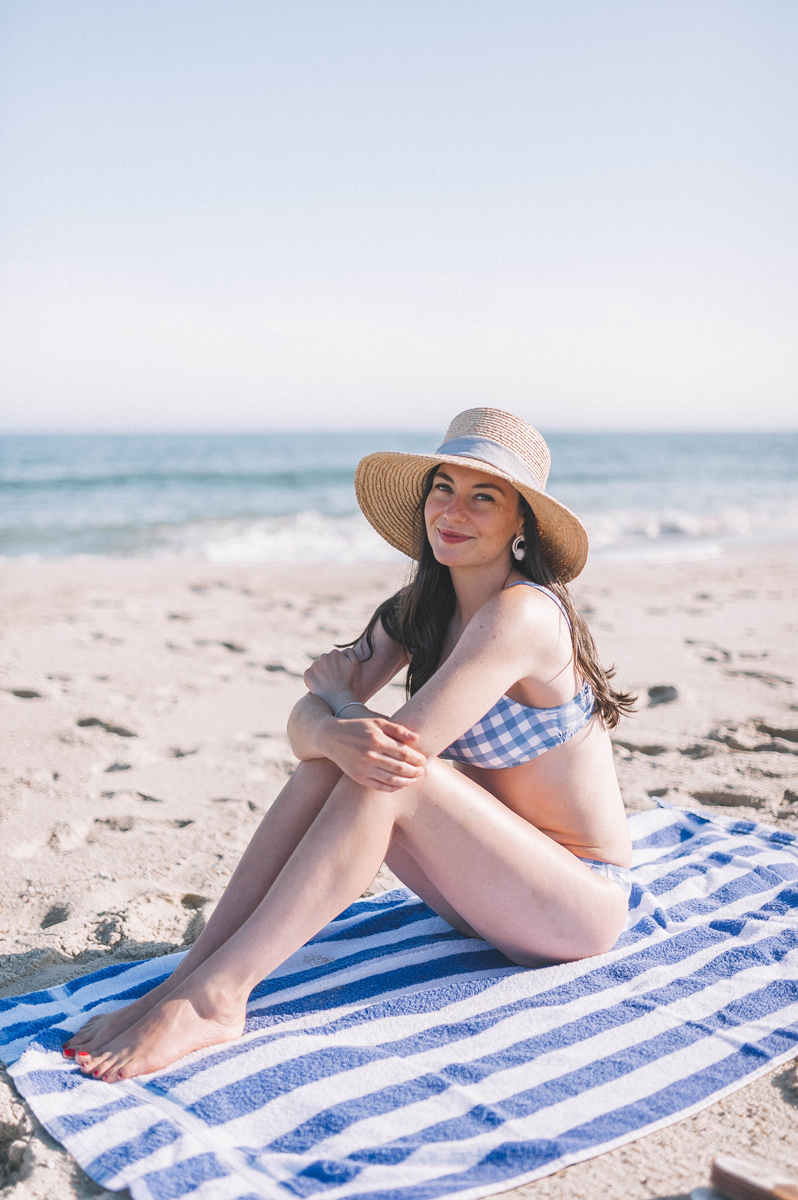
{"type": "Point", "coordinates": [519, 547]}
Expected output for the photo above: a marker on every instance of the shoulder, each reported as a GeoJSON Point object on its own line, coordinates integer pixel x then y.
{"type": "Point", "coordinates": [525, 626]}
{"type": "Point", "coordinates": [525, 609]}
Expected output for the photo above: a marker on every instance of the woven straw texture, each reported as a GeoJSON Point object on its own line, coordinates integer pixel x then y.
{"type": "Point", "coordinates": [389, 486]}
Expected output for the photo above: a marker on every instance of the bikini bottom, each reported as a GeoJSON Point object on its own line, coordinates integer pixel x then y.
{"type": "Point", "coordinates": [620, 875]}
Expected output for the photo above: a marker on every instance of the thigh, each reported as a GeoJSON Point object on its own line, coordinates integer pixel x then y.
{"type": "Point", "coordinates": [406, 869]}
{"type": "Point", "coordinates": [517, 888]}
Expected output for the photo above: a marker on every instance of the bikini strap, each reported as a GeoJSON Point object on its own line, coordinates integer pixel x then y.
{"type": "Point", "coordinates": [540, 588]}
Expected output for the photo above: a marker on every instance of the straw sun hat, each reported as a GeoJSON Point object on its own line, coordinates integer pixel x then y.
{"type": "Point", "coordinates": [389, 485]}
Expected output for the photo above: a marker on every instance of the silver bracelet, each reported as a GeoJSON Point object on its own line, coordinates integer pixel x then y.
{"type": "Point", "coordinates": [349, 704]}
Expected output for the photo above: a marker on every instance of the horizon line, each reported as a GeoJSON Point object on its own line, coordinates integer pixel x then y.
{"type": "Point", "coordinates": [370, 430]}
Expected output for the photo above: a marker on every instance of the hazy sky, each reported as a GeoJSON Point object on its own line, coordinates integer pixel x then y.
{"type": "Point", "coordinates": [293, 213]}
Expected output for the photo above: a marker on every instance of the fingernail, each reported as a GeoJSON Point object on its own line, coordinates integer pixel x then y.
{"type": "Point", "coordinates": [69, 1052]}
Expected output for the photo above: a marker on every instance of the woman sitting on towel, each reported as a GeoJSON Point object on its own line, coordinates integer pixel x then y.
{"type": "Point", "coordinates": [491, 792]}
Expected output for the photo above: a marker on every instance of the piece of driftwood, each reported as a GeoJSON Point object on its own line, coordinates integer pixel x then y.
{"type": "Point", "coordinates": [744, 1179]}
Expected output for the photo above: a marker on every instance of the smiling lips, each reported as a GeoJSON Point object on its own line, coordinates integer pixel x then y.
{"type": "Point", "coordinates": [451, 538]}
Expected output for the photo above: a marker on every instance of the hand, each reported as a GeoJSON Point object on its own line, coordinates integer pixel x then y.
{"type": "Point", "coordinates": [334, 677]}
{"type": "Point", "coordinates": [375, 752]}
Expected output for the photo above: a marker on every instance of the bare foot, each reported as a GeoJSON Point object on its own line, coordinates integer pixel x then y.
{"type": "Point", "coordinates": [185, 1021]}
{"type": "Point", "coordinates": [100, 1029]}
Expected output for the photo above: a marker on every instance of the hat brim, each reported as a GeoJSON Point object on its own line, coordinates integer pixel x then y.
{"type": "Point", "coordinates": [389, 486]}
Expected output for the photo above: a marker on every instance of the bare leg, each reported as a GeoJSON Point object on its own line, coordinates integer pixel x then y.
{"type": "Point", "coordinates": [272, 844]}
{"type": "Point", "coordinates": [513, 885]}
{"type": "Point", "coordinates": [405, 867]}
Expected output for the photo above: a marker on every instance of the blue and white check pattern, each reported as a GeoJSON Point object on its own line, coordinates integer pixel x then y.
{"type": "Point", "coordinates": [511, 733]}
{"type": "Point", "coordinates": [395, 1059]}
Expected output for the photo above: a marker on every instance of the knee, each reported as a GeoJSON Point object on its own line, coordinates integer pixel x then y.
{"type": "Point", "coordinates": [436, 770]}
{"type": "Point", "coordinates": [317, 772]}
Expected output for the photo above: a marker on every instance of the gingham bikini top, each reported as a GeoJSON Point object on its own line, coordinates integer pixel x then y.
{"type": "Point", "coordinates": [511, 733]}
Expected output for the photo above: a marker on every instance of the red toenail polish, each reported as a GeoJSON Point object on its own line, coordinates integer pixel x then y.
{"type": "Point", "coordinates": [95, 1072]}
{"type": "Point", "coordinates": [69, 1052]}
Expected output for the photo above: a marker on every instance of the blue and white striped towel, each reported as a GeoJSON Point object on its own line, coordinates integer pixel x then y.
{"type": "Point", "coordinates": [393, 1059]}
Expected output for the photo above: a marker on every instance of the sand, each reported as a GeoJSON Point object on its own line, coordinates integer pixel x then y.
{"type": "Point", "coordinates": [144, 708]}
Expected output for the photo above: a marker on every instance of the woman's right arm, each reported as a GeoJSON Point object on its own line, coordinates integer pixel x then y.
{"type": "Point", "coordinates": [367, 746]}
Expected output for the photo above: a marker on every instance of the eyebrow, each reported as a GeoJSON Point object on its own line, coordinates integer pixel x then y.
{"type": "Point", "coordinates": [480, 487]}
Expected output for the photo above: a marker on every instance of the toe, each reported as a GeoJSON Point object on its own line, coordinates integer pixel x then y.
{"type": "Point", "coordinates": [109, 1067]}
{"type": "Point", "coordinates": [99, 1069]}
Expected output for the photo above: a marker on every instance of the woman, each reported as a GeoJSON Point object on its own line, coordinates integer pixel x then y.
{"type": "Point", "coordinates": [512, 831]}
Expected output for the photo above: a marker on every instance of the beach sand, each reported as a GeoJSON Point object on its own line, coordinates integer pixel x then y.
{"type": "Point", "coordinates": [144, 708]}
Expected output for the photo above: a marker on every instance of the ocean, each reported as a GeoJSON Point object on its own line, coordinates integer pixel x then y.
{"type": "Point", "coordinates": [289, 497]}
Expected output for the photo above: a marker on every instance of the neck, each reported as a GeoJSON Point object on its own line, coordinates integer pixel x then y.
{"type": "Point", "coordinates": [474, 586]}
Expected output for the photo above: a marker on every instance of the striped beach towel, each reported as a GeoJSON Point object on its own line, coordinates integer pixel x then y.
{"type": "Point", "coordinates": [394, 1059]}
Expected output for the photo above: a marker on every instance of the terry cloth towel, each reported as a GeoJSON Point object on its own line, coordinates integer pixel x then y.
{"type": "Point", "coordinates": [393, 1059]}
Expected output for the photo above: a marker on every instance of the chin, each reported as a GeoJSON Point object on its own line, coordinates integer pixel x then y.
{"type": "Point", "coordinates": [453, 556]}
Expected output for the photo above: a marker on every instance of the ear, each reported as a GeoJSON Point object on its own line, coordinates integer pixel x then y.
{"type": "Point", "coordinates": [521, 518]}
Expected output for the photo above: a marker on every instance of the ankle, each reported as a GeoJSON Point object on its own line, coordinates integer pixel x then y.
{"type": "Point", "coordinates": [213, 995]}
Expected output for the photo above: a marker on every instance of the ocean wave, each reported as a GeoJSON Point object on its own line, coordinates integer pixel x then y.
{"type": "Point", "coordinates": [625, 528]}
{"type": "Point", "coordinates": [302, 537]}
{"type": "Point", "coordinates": [290, 497]}
{"type": "Point", "coordinates": [309, 477]}
{"type": "Point", "coordinates": [312, 536]}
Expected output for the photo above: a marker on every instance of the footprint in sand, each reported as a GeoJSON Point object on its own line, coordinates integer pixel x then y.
{"type": "Point", "coordinates": [728, 799]}
{"type": "Point", "coordinates": [636, 748]}
{"type": "Point", "coordinates": [108, 726]}
{"type": "Point", "coordinates": [662, 694]}
{"type": "Point", "coordinates": [765, 677]}
{"type": "Point", "coordinates": [747, 736]}
{"type": "Point", "coordinates": [68, 835]}
{"type": "Point", "coordinates": [709, 651]}
{"type": "Point", "coordinates": [777, 731]}
{"type": "Point", "coordinates": [55, 915]}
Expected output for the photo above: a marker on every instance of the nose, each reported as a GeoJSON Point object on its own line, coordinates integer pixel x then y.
{"type": "Point", "coordinates": [455, 509]}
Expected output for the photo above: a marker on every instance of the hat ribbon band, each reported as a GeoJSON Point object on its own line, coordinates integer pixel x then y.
{"type": "Point", "coordinates": [493, 453]}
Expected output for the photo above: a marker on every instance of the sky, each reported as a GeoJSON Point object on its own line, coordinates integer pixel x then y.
{"type": "Point", "coordinates": [288, 214]}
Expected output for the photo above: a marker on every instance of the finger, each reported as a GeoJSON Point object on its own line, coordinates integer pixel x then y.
{"type": "Point", "coordinates": [379, 785]}
{"type": "Point", "coordinates": [400, 745]}
{"type": "Point", "coordinates": [405, 770]}
{"type": "Point", "coordinates": [403, 753]}
{"type": "Point", "coordinates": [392, 778]}
{"type": "Point", "coordinates": [400, 731]}
{"type": "Point", "coordinates": [386, 757]}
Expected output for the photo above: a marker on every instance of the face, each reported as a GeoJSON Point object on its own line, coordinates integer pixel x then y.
{"type": "Point", "coordinates": [471, 517]}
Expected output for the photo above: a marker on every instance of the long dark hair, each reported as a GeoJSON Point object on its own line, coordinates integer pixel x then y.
{"type": "Point", "coordinates": [418, 616]}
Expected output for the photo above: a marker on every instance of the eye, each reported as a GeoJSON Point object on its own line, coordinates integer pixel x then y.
{"type": "Point", "coordinates": [442, 487]}
{"type": "Point", "coordinates": [483, 496]}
